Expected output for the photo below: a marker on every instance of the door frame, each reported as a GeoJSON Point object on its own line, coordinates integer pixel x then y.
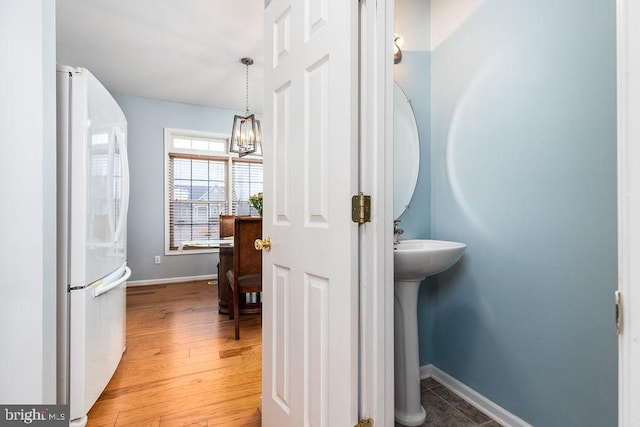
{"type": "Point", "coordinates": [628, 59]}
{"type": "Point", "coordinates": [376, 398]}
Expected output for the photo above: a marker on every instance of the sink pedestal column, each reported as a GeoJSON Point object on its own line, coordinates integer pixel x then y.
{"type": "Point", "coordinates": [408, 410]}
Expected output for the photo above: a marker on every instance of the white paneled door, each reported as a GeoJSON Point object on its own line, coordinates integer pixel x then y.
{"type": "Point", "coordinates": [629, 211]}
{"type": "Point", "coordinates": [310, 276]}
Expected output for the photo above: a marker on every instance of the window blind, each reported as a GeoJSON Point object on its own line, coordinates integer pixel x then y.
{"type": "Point", "coordinates": [246, 181]}
{"type": "Point", "coordinates": [197, 197]}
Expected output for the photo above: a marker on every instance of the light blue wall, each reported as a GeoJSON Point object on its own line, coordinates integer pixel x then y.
{"type": "Point", "coordinates": [412, 74]}
{"type": "Point", "coordinates": [147, 119]}
{"type": "Point", "coordinates": [523, 169]}
{"type": "Point", "coordinates": [416, 220]}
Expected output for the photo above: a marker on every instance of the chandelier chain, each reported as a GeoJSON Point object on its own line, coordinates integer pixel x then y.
{"type": "Point", "coordinates": [247, 87]}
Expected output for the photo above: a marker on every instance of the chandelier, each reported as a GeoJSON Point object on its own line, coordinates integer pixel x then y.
{"type": "Point", "coordinates": [246, 134]}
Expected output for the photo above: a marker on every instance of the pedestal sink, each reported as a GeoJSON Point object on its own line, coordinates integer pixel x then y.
{"type": "Point", "coordinates": [414, 260]}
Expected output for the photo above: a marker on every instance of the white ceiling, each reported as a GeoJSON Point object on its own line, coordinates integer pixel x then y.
{"type": "Point", "coordinates": [176, 50]}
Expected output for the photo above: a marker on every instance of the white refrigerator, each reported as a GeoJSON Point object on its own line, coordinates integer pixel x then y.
{"type": "Point", "coordinates": [93, 197]}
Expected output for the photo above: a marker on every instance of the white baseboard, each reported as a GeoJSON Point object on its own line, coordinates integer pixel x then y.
{"type": "Point", "coordinates": [483, 404]}
{"type": "Point", "coordinates": [171, 280]}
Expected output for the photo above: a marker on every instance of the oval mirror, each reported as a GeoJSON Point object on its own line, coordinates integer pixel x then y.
{"type": "Point", "coordinates": [406, 151]}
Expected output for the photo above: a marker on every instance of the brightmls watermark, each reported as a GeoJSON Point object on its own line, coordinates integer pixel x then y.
{"type": "Point", "coordinates": [38, 415]}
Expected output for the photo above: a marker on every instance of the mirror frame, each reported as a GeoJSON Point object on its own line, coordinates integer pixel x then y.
{"type": "Point", "coordinates": [406, 151]}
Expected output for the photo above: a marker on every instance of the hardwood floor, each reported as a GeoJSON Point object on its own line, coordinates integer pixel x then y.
{"type": "Point", "coordinates": [182, 365]}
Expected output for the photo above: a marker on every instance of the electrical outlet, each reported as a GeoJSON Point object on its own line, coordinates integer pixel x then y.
{"type": "Point", "coordinates": [156, 259]}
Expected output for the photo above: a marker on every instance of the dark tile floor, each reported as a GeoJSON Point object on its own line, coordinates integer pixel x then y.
{"type": "Point", "coordinates": [445, 409]}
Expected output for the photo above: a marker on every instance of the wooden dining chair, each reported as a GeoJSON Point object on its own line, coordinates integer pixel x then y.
{"type": "Point", "coordinates": [225, 262]}
{"type": "Point", "coordinates": [246, 275]}
{"type": "Point", "coordinates": [226, 225]}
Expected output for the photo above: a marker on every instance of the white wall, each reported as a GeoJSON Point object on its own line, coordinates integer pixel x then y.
{"type": "Point", "coordinates": [411, 22]}
{"type": "Point", "coordinates": [27, 173]}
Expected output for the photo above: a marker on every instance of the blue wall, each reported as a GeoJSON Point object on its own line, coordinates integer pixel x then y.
{"type": "Point", "coordinates": [147, 119]}
{"type": "Point", "coordinates": [410, 76]}
{"type": "Point", "coordinates": [413, 76]}
{"type": "Point", "coordinates": [523, 170]}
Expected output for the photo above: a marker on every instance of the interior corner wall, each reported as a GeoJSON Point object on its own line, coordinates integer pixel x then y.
{"type": "Point", "coordinates": [523, 167]}
{"type": "Point", "coordinates": [147, 119]}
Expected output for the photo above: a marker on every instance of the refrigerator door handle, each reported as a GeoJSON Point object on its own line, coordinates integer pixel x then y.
{"type": "Point", "coordinates": [103, 289]}
{"type": "Point", "coordinates": [110, 189]}
{"type": "Point", "coordinates": [124, 159]}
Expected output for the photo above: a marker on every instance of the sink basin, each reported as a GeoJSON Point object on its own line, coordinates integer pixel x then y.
{"type": "Point", "coordinates": [417, 259]}
{"type": "Point", "coordinates": [413, 261]}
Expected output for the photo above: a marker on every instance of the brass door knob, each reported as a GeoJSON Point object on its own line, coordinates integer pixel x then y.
{"type": "Point", "coordinates": [262, 244]}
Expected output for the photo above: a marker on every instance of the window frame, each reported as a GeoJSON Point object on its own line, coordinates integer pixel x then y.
{"type": "Point", "coordinates": [169, 135]}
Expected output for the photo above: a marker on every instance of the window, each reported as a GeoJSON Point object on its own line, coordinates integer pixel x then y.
{"type": "Point", "coordinates": [247, 180]}
{"type": "Point", "coordinates": [204, 181]}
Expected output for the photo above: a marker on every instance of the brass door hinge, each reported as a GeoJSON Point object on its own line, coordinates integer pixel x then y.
{"type": "Point", "coordinates": [365, 423]}
{"type": "Point", "coordinates": [361, 208]}
{"type": "Point", "coordinates": [618, 312]}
